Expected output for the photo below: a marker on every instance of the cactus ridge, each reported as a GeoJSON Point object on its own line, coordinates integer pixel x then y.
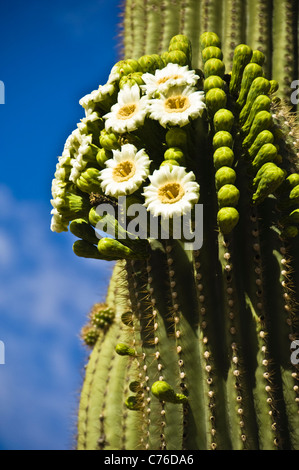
{"type": "Point", "coordinates": [192, 348]}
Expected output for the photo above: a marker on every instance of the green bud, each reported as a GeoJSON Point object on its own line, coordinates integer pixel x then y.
{"type": "Point", "coordinates": [131, 79]}
{"type": "Point", "coordinates": [164, 392]}
{"type": "Point", "coordinates": [102, 156]}
{"type": "Point", "coordinates": [109, 140]}
{"type": "Point", "coordinates": [259, 86]}
{"type": "Point", "coordinates": [72, 206]}
{"type": "Point", "coordinates": [261, 103]}
{"type": "Point", "coordinates": [180, 38]}
{"type": "Point", "coordinates": [176, 57]}
{"type": "Point", "coordinates": [268, 179]}
{"type": "Point", "coordinates": [89, 182]}
{"type": "Point", "coordinates": [214, 67]}
{"type": "Point", "coordinates": [291, 181]}
{"type": "Point", "coordinates": [223, 139]}
{"type": "Point", "coordinates": [176, 137]}
{"type": "Point", "coordinates": [212, 52]}
{"type": "Point", "coordinates": [223, 156]}
{"type": "Point", "coordinates": [209, 39]}
{"type": "Point", "coordinates": [227, 219]}
{"type": "Point", "coordinates": [274, 86]}
{"type": "Point", "coordinates": [149, 63]}
{"type": "Point", "coordinates": [213, 81]}
{"type": "Point", "coordinates": [223, 120]}
{"type": "Point", "coordinates": [85, 249]}
{"type": "Point", "coordinates": [176, 154]}
{"type": "Point", "coordinates": [225, 175]}
{"type": "Point", "coordinates": [82, 229]}
{"type": "Point", "coordinates": [181, 46]}
{"type": "Point", "coordinates": [267, 153]}
{"type": "Point", "coordinates": [264, 137]}
{"type": "Point", "coordinates": [133, 403]}
{"type": "Point", "coordinates": [125, 67]}
{"type": "Point", "coordinates": [215, 100]}
{"type": "Point", "coordinates": [258, 57]}
{"type": "Point", "coordinates": [228, 196]}
{"type": "Point", "coordinates": [294, 195]}
{"type": "Point", "coordinates": [113, 249]}
{"type": "Point", "coordinates": [262, 121]}
{"type": "Point", "coordinates": [251, 72]}
{"type": "Point", "coordinates": [124, 350]}
{"type": "Point", "coordinates": [242, 56]}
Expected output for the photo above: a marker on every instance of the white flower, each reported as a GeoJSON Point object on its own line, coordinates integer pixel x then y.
{"type": "Point", "coordinates": [177, 106]}
{"type": "Point", "coordinates": [57, 223]}
{"type": "Point", "coordinates": [125, 172]}
{"type": "Point", "coordinates": [169, 76]}
{"type": "Point", "coordinates": [129, 112]}
{"type": "Point", "coordinates": [96, 96]}
{"type": "Point", "coordinates": [172, 192]}
{"type": "Point", "coordinates": [79, 162]}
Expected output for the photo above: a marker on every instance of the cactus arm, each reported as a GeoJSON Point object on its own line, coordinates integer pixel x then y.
{"type": "Point", "coordinates": [233, 28]}
{"type": "Point", "coordinates": [259, 24]}
{"type": "Point", "coordinates": [284, 49]}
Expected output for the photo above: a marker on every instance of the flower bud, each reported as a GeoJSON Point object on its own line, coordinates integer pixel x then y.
{"type": "Point", "coordinates": [242, 56]}
{"type": "Point", "coordinates": [124, 350]}
{"type": "Point", "coordinates": [223, 156]}
{"type": "Point", "coordinates": [176, 137]}
{"type": "Point", "coordinates": [113, 249]}
{"type": "Point", "coordinates": [176, 154]}
{"type": "Point", "coordinates": [89, 182]}
{"type": "Point", "coordinates": [209, 39]}
{"type": "Point", "coordinates": [222, 139]}
{"type": "Point", "coordinates": [215, 100]}
{"type": "Point", "coordinates": [164, 392]}
{"type": "Point", "coordinates": [82, 229]}
{"type": "Point", "coordinates": [213, 81]}
{"type": "Point", "coordinates": [109, 140]}
{"type": "Point", "coordinates": [225, 175]}
{"type": "Point", "coordinates": [228, 196]}
{"type": "Point", "coordinates": [223, 120]}
{"type": "Point", "coordinates": [176, 57]}
{"type": "Point", "coordinates": [131, 79]}
{"type": "Point", "coordinates": [227, 219]}
{"type": "Point", "coordinates": [214, 67]}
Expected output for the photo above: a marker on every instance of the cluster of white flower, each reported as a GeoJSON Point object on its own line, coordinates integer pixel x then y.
{"type": "Point", "coordinates": [168, 96]}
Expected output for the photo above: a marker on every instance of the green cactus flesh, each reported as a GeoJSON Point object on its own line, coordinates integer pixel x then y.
{"type": "Point", "coordinates": [192, 349]}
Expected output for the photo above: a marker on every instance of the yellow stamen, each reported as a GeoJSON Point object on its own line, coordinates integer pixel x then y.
{"type": "Point", "coordinates": [127, 111]}
{"type": "Point", "coordinates": [165, 79]}
{"type": "Point", "coordinates": [177, 104]}
{"type": "Point", "coordinates": [170, 193]}
{"type": "Point", "coordinates": [123, 171]}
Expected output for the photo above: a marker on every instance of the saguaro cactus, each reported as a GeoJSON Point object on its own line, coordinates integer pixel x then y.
{"type": "Point", "coordinates": [196, 346]}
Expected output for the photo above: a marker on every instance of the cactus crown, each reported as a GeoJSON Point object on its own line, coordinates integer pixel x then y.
{"type": "Point", "coordinates": [180, 365]}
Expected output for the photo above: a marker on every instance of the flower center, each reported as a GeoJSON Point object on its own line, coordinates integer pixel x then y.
{"type": "Point", "coordinates": [123, 171]}
{"type": "Point", "coordinates": [170, 193]}
{"type": "Point", "coordinates": [177, 104]}
{"type": "Point", "coordinates": [165, 79]}
{"type": "Point", "coordinates": [126, 111]}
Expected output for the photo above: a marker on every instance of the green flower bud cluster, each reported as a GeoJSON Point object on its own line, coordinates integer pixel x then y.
{"type": "Point", "coordinates": [289, 204]}
{"type": "Point", "coordinates": [176, 141]}
{"type": "Point", "coordinates": [222, 122]}
{"type": "Point", "coordinates": [179, 51]}
{"type": "Point", "coordinates": [101, 318]}
{"type": "Point", "coordinates": [214, 70]}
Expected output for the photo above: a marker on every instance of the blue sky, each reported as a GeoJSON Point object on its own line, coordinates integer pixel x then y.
{"type": "Point", "coordinates": [52, 53]}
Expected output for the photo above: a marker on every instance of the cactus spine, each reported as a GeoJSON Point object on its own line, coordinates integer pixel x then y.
{"type": "Point", "coordinates": [193, 347]}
